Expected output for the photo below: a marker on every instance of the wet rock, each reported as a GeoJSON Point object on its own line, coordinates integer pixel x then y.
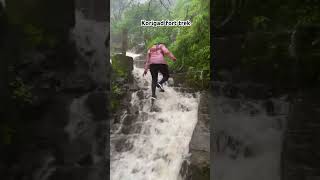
{"type": "Point", "coordinates": [74, 151]}
{"type": "Point", "coordinates": [228, 60]}
{"type": "Point", "coordinates": [184, 170]}
{"type": "Point", "coordinates": [155, 108]}
{"type": "Point", "coordinates": [270, 109]}
{"type": "Point", "coordinates": [132, 129]}
{"type": "Point", "coordinates": [225, 75]}
{"type": "Point", "coordinates": [300, 143]}
{"type": "Point", "coordinates": [86, 160]}
{"type": "Point", "coordinates": [144, 116]}
{"type": "Point", "coordinates": [80, 82]}
{"type": "Point", "coordinates": [231, 91]}
{"type": "Point", "coordinates": [254, 112]}
{"type": "Point", "coordinates": [183, 108]}
{"type": "Point", "coordinates": [129, 120]}
{"type": "Point", "coordinates": [123, 145]}
{"type": "Point", "coordinates": [249, 152]}
{"type": "Point", "coordinates": [133, 110]}
{"type": "Point", "coordinates": [135, 171]}
{"type": "Point", "coordinates": [198, 168]}
{"type": "Point", "coordinates": [170, 82]}
{"type": "Point", "coordinates": [94, 10]}
{"type": "Point", "coordinates": [278, 123]}
{"type": "Point", "coordinates": [140, 94]}
{"type": "Point", "coordinates": [123, 63]}
{"type": "Point", "coordinates": [70, 173]}
{"type": "Point", "coordinates": [97, 104]}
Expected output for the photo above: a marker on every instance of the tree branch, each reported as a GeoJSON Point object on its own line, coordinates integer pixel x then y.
{"type": "Point", "coordinates": [163, 4]}
{"type": "Point", "coordinates": [231, 14]}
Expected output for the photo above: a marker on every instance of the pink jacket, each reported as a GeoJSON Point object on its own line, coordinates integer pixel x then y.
{"type": "Point", "coordinates": [155, 55]}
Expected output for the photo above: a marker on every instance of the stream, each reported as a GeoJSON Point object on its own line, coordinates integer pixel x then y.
{"type": "Point", "coordinates": [247, 138]}
{"type": "Point", "coordinates": [153, 145]}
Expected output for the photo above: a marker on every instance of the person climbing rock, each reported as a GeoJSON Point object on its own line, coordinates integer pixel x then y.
{"type": "Point", "coordinates": [156, 63]}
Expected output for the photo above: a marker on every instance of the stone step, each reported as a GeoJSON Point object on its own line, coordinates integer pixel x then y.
{"type": "Point", "coordinates": [139, 63]}
{"type": "Point", "coordinates": [204, 110]}
{"type": "Point", "coordinates": [184, 89]}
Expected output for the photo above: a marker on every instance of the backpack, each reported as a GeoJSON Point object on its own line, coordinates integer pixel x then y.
{"type": "Point", "coordinates": [157, 48]}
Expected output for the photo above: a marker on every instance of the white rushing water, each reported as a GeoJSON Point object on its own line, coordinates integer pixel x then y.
{"type": "Point", "coordinates": [159, 147]}
{"type": "Point", "coordinates": [248, 141]}
{"type": "Point", "coordinates": [90, 37]}
{"type": "Point", "coordinates": [3, 2]}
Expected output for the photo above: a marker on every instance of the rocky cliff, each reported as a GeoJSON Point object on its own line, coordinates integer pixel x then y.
{"type": "Point", "coordinates": [55, 119]}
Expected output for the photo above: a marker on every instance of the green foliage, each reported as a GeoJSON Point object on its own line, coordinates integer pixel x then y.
{"type": "Point", "coordinates": [116, 94]}
{"type": "Point", "coordinates": [7, 134]}
{"type": "Point", "coordinates": [116, 90]}
{"type": "Point", "coordinates": [36, 37]}
{"type": "Point", "coordinates": [21, 91]}
{"type": "Point", "coordinates": [120, 70]}
{"type": "Point", "coordinates": [190, 45]}
{"type": "Point", "coordinates": [260, 22]}
{"type": "Point", "coordinates": [279, 40]}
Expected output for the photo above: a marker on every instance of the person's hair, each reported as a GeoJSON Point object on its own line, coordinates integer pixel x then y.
{"type": "Point", "coordinates": [159, 43]}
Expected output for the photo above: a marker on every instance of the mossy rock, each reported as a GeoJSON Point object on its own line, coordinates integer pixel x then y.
{"type": "Point", "coordinates": [122, 65]}
{"type": "Point", "coordinates": [200, 173]}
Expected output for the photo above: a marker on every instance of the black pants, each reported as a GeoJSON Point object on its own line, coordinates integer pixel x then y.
{"type": "Point", "coordinates": [155, 69]}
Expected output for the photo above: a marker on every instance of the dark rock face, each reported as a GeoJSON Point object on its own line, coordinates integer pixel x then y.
{"type": "Point", "coordinates": [123, 66]}
{"type": "Point", "coordinates": [123, 145]}
{"type": "Point", "coordinates": [57, 112]}
{"type": "Point", "coordinates": [223, 56]}
{"type": "Point", "coordinates": [49, 14]}
{"type": "Point", "coordinates": [199, 166]}
{"type": "Point", "coordinates": [95, 9]}
{"type": "Point", "coordinates": [300, 158]}
{"type": "Point", "coordinates": [97, 103]}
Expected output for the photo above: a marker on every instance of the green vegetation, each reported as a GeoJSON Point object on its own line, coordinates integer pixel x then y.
{"type": "Point", "coordinates": [275, 42]}
{"type": "Point", "coordinates": [21, 92]}
{"type": "Point", "coordinates": [6, 134]}
{"type": "Point", "coordinates": [120, 67]}
{"type": "Point", "coordinates": [121, 75]}
{"type": "Point", "coordinates": [37, 37]}
{"type": "Point", "coordinates": [190, 44]}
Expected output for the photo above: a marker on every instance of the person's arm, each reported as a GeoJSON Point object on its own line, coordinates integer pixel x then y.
{"type": "Point", "coordinates": [168, 53]}
{"type": "Point", "coordinates": [147, 63]}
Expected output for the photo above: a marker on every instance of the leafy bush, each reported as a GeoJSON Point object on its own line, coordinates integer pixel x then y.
{"type": "Point", "coordinates": [190, 45]}
{"type": "Point", "coordinates": [20, 91]}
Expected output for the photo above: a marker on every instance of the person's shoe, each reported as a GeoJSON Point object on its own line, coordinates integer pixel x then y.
{"type": "Point", "coordinates": [160, 87]}
{"type": "Point", "coordinates": [153, 97]}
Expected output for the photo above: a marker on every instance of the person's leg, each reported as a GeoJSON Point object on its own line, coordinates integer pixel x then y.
{"type": "Point", "coordinates": [165, 73]}
{"type": "Point", "coordinates": [154, 75]}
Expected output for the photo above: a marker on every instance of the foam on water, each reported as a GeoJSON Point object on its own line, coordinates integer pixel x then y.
{"type": "Point", "coordinates": [247, 140]}
{"type": "Point", "coordinates": [90, 37]}
{"type": "Point", "coordinates": [162, 144]}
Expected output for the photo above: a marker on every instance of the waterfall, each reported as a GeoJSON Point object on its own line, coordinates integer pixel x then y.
{"type": "Point", "coordinates": [292, 45]}
{"type": "Point", "coordinates": [90, 36]}
{"type": "Point", "coordinates": [153, 145]}
{"type": "Point", "coordinates": [3, 2]}
{"type": "Point", "coordinates": [247, 139]}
